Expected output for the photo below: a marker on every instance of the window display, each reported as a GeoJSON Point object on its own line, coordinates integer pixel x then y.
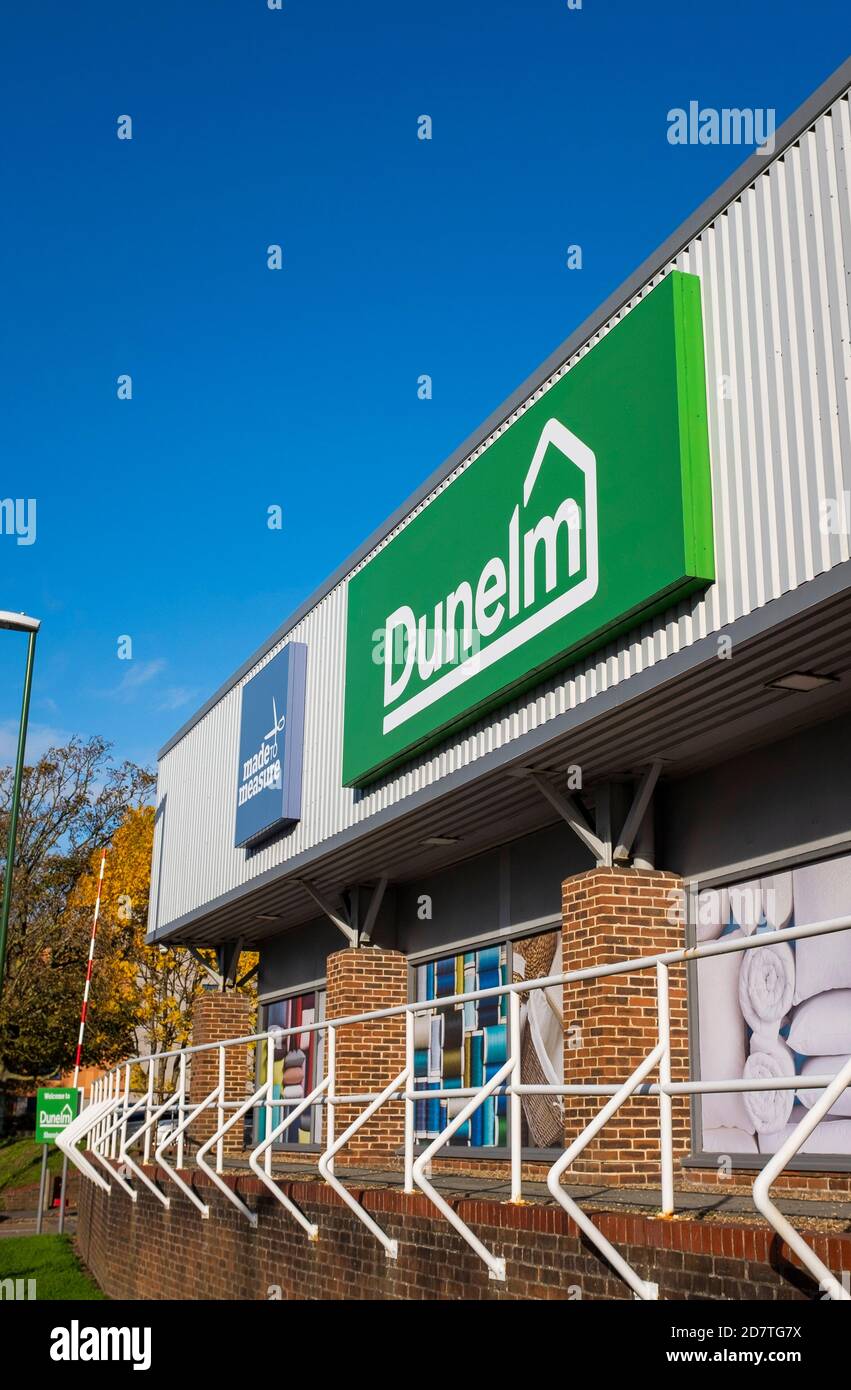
{"type": "Point", "coordinates": [464, 1045]}
{"type": "Point", "coordinates": [781, 1010]}
{"type": "Point", "coordinates": [298, 1064]}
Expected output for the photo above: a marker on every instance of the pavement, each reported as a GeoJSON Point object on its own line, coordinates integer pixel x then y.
{"type": "Point", "coordinates": [648, 1200]}
{"type": "Point", "coordinates": [23, 1223]}
{"type": "Point", "coordinates": [704, 1206]}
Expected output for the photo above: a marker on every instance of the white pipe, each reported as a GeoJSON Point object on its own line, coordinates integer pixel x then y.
{"type": "Point", "coordinates": [67, 1141]}
{"type": "Point", "coordinates": [145, 1129]}
{"type": "Point", "coordinates": [775, 1166]}
{"type": "Point", "coordinates": [269, 1112]}
{"type": "Point", "coordinates": [330, 1110]}
{"type": "Point", "coordinates": [641, 1287]}
{"type": "Point", "coordinates": [149, 1104]}
{"type": "Point", "coordinates": [495, 1263]}
{"type": "Point", "coordinates": [666, 1122]}
{"type": "Point", "coordinates": [181, 1111]}
{"type": "Point", "coordinates": [515, 1101]}
{"type": "Point", "coordinates": [178, 1135]}
{"type": "Point", "coordinates": [409, 1104]}
{"type": "Point", "coordinates": [265, 1147]}
{"type": "Point", "coordinates": [724, 946]}
{"type": "Point", "coordinates": [220, 1146]}
{"type": "Point", "coordinates": [391, 1247]}
{"type": "Point", "coordinates": [217, 1139]}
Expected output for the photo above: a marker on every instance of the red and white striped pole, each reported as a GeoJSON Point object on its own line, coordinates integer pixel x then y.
{"type": "Point", "coordinates": [83, 1013]}
{"type": "Point", "coordinates": [88, 985]}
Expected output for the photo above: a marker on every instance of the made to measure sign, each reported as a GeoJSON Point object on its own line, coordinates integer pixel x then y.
{"type": "Point", "coordinates": [590, 513]}
{"type": "Point", "coordinates": [271, 735]}
{"type": "Point", "coordinates": [54, 1111]}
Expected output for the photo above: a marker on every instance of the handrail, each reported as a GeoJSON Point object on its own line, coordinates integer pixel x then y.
{"type": "Point", "coordinates": [266, 1145]}
{"type": "Point", "coordinates": [216, 1137]}
{"type": "Point", "coordinates": [639, 1286]}
{"type": "Point", "coordinates": [326, 1160]}
{"type": "Point", "coordinates": [144, 1129]}
{"type": "Point", "coordinates": [495, 1263]}
{"type": "Point", "coordinates": [775, 1166]}
{"type": "Point", "coordinates": [112, 1107]}
{"type": "Point", "coordinates": [106, 1104]}
{"type": "Point", "coordinates": [178, 1133]}
{"type": "Point", "coordinates": [71, 1135]}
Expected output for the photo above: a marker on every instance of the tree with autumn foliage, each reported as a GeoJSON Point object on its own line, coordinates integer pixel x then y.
{"type": "Point", "coordinates": [73, 799]}
{"type": "Point", "coordinates": [155, 986]}
{"type": "Point", "coordinates": [76, 802]}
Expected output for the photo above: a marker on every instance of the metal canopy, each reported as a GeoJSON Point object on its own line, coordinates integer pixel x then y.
{"type": "Point", "coordinates": [712, 710]}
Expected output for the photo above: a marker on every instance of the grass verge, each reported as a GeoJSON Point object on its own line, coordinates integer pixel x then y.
{"type": "Point", "coordinates": [52, 1263]}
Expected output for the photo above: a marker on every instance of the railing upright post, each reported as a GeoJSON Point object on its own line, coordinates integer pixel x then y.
{"type": "Point", "coordinates": [666, 1124]}
{"type": "Point", "coordinates": [220, 1110]}
{"type": "Point", "coordinates": [269, 1107]}
{"type": "Point", "coordinates": [181, 1108]}
{"type": "Point", "coordinates": [149, 1105]}
{"type": "Point", "coordinates": [515, 1100]}
{"type": "Point", "coordinates": [126, 1106]}
{"type": "Point", "coordinates": [330, 1135]}
{"type": "Point", "coordinates": [409, 1101]}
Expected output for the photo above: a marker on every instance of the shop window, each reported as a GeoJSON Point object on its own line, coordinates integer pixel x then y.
{"type": "Point", "coordinates": [784, 1010]}
{"type": "Point", "coordinates": [541, 1037]}
{"type": "Point", "coordinates": [463, 1046]}
{"type": "Point", "coordinates": [298, 1065]}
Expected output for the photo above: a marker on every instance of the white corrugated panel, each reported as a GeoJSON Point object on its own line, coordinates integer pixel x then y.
{"type": "Point", "coordinates": [774, 272]}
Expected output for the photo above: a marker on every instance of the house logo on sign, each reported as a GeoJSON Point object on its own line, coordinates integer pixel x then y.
{"type": "Point", "coordinates": [547, 568]}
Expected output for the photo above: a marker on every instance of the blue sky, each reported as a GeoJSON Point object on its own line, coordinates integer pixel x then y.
{"type": "Point", "coordinates": [298, 388]}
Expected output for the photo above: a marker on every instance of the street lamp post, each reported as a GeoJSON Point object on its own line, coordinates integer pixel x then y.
{"type": "Point", "coordinates": [16, 622]}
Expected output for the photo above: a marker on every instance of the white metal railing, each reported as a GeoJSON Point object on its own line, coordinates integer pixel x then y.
{"type": "Point", "coordinates": [103, 1121]}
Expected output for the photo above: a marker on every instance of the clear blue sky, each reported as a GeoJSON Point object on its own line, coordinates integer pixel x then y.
{"type": "Point", "coordinates": [299, 388]}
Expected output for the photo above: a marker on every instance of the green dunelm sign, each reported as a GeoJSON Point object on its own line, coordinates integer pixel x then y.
{"type": "Point", "coordinates": [590, 513]}
{"type": "Point", "coordinates": [54, 1111]}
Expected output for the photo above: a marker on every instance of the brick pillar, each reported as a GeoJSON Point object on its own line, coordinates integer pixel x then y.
{"type": "Point", "coordinates": [369, 1055]}
{"type": "Point", "coordinates": [216, 1018]}
{"type": "Point", "coordinates": [610, 915]}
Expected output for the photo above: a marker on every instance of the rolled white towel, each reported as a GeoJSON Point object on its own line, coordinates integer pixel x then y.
{"type": "Point", "coordinates": [769, 1058]}
{"type": "Point", "coordinates": [766, 985]}
{"type": "Point", "coordinates": [825, 1066]}
{"type": "Point", "coordinates": [829, 1137]}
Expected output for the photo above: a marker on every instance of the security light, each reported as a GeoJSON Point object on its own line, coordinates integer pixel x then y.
{"type": "Point", "coordinates": [802, 681]}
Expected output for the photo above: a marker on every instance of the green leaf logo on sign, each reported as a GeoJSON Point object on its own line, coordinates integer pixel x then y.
{"type": "Point", "coordinates": [589, 513]}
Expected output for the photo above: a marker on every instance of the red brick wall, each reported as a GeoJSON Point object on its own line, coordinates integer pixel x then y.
{"type": "Point", "coordinates": [216, 1018]}
{"type": "Point", "coordinates": [139, 1250]}
{"type": "Point", "coordinates": [369, 1055]}
{"type": "Point", "coordinates": [611, 915]}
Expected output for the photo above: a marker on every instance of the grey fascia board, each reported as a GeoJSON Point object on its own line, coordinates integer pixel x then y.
{"type": "Point", "coordinates": [791, 130]}
{"type": "Point", "coordinates": [702, 653]}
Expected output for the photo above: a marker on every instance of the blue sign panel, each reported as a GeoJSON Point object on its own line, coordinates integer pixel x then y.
{"type": "Point", "coordinates": [271, 737]}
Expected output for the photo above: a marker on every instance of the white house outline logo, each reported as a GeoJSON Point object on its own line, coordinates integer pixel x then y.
{"type": "Point", "coordinates": [572, 448]}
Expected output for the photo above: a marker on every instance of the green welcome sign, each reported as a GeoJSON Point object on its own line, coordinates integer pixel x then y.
{"type": "Point", "coordinates": [54, 1111]}
{"type": "Point", "coordinates": [587, 515]}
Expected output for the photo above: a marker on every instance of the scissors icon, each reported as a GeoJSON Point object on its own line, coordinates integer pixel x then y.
{"type": "Point", "coordinates": [277, 724]}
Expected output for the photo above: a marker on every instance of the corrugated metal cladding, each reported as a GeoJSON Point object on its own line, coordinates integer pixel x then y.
{"type": "Point", "coordinates": [774, 270]}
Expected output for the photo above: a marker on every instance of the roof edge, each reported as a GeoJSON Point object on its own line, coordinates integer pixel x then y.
{"type": "Point", "coordinates": [830, 91]}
